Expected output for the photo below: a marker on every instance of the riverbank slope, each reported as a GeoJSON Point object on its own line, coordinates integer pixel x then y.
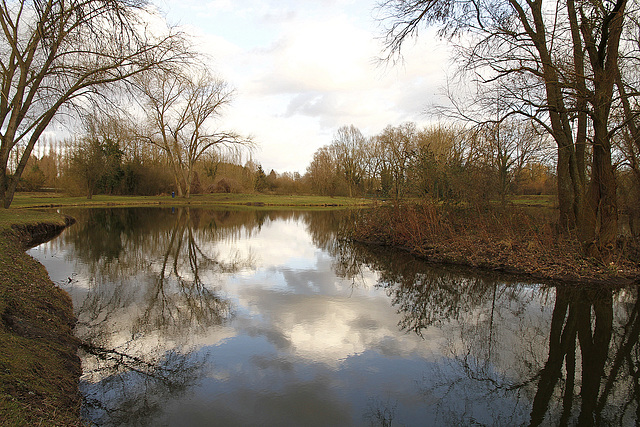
{"type": "Point", "coordinates": [39, 366]}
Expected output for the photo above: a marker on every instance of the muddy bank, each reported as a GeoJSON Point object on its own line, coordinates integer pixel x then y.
{"type": "Point", "coordinates": [39, 365]}
{"type": "Point", "coordinates": [30, 235]}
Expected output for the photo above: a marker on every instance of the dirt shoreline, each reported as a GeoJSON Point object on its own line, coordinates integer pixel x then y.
{"type": "Point", "coordinates": [489, 266]}
{"type": "Point", "coordinates": [39, 365]}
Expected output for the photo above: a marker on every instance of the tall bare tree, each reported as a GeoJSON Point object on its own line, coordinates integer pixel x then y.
{"type": "Point", "coordinates": [509, 147]}
{"type": "Point", "coordinates": [322, 172]}
{"type": "Point", "coordinates": [349, 145]}
{"type": "Point", "coordinates": [57, 53]}
{"type": "Point", "coordinates": [554, 62]}
{"type": "Point", "coordinates": [181, 109]}
{"type": "Point", "coordinates": [398, 147]}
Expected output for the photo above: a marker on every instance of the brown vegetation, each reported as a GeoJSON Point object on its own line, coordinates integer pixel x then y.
{"type": "Point", "coordinates": [503, 239]}
{"type": "Point", "coordinates": [561, 71]}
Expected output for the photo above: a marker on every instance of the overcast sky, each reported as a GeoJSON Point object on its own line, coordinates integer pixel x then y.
{"type": "Point", "coordinates": [303, 68]}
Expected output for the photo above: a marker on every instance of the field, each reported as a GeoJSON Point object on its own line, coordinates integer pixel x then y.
{"type": "Point", "coordinates": [30, 200]}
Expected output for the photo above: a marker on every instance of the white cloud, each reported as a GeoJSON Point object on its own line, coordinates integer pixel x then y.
{"type": "Point", "coordinates": [304, 68]}
{"type": "Point", "coordinates": [330, 55]}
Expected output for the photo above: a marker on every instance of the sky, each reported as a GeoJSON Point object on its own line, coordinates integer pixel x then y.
{"type": "Point", "coordinates": [303, 68]}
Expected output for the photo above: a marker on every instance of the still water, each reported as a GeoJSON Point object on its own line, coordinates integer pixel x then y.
{"type": "Point", "coordinates": [201, 317]}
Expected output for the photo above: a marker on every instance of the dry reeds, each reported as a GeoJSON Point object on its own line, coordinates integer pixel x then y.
{"type": "Point", "coordinates": [500, 238]}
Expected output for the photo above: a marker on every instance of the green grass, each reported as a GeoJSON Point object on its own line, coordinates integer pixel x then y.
{"type": "Point", "coordinates": [39, 368]}
{"type": "Point", "coordinates": [30, 200]}
{"type": "Point", "coordinates": [27, 217]}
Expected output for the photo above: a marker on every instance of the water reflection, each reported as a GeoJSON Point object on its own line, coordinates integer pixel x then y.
{"type": "Point", "coordinates": [132, 390]}
{"type": "Point", "coordinates": [214, 317]}
{"type": "Point", "coordinates": [151, 281]}
{"type": "Point", "coordinates": [578, 367]}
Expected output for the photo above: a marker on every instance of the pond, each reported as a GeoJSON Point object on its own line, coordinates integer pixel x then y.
{"type": "Point", "coordinates": [200, 317]}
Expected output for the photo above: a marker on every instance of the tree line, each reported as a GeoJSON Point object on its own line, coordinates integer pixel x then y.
{"type": "Point", "coordinates": [101, 62]}
{"type": "Point", "coordinates": [91, 165]}
{"type": "Point", "coordinates": [441, 161]}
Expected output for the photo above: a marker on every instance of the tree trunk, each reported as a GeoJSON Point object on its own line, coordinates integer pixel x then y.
{"type": "Point", "coordinates": [8, 184]}
{"type": "Point", "coordinates": [600, 228]}
{"type": "Point", "coordinates": [570, 189]}
{"type": "Point", "coordinates": [176, 176]}
{"type": "Point", "coordinates": [567, 219]}
{"type": "Point", "coordinates": [7, 190]}
{"type": "Point", "coordinates": [4, 160]}
{"type": "Point", "coordinates": [187, 184]}
{"type": "Point", "coordinates": [581, 92]}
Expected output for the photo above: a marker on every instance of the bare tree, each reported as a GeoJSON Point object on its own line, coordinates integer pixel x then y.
{"type": "Point", "coordinates": [181, 109]}
{"type": "Point", "coordinates": [373, 166]}
{"type": "Point", "coordinates": [58, 53]}
{"type": "Point", "coordinates": [348, 144]}
{"type": "Point", "coordinates": [321, 172]}
{"type": "Point", "coordinates": [510, 146]}
{"type": "Point", "coordinates": [88, 163]}
{"type": "Point", "coordinates": [554, 62]}
{"type": "Point", "coordinates": [444, 159]}
{"type": "Point", "coordinates": [398, 147]}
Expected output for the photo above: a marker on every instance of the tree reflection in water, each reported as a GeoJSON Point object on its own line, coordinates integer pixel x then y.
{"type": "Point", "coordinates": [606, 368]}
{"type": "Point", "coordinates": [132, 390]}
{"type": "Point", "coordinates": [154, 283]}
{"type": "Point", "coordinates": [503, 365]}
{"type": "Point", "coordinates": [154, 303]}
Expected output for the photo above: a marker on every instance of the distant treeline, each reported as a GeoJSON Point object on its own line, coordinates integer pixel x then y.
{"type": "Point", "coordinates": [440, 162]}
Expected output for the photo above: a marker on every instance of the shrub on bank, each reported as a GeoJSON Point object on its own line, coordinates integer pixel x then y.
{"type": "Point", "coordinates": [511, 239]}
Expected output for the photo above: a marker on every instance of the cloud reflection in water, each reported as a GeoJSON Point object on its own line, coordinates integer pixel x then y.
{"type": "Point", "coordinates": [214, 317]}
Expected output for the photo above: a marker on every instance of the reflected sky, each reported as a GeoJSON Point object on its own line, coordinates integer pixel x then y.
{"type": "Point", "coordinates": [210, 317]}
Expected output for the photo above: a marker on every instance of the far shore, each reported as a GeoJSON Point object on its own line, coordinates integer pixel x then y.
{"type": "Point", "coordinates": [53, 200]}
{"type": "Point", "coordinates": [523, 242]}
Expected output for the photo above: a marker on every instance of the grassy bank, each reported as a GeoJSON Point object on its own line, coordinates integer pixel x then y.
{"type": "Point", "coordinates": [29, 200]}
{"type": "Point", "coordinates": [39, 367]}
{"type": "Point", "coordinates": [513, 240]}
